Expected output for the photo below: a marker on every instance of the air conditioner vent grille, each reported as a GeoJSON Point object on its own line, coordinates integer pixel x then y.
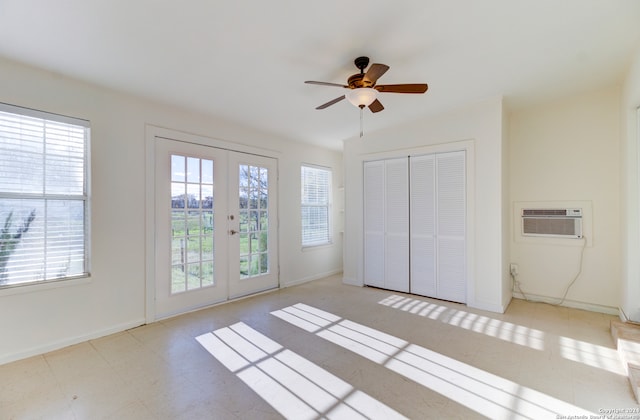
{"type": "Point", "coordinates": [552, 212]}
{"type": "Point", "coordinates": [562, 223]}
{"type": "Point", "coordinates": [544, 212]}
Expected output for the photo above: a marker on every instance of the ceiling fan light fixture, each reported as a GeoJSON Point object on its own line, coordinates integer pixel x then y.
{"type": "Point", "coordinates": [361, 97]}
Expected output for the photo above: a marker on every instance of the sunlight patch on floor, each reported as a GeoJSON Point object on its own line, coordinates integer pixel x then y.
{"type": "Point", "coordinates": [591, 354]}
{"type": "Point", "coordinates": [481, 391]}
{"type": "Point", "coordinates": [291, 384]}
{"type": "Point", "coordinates": [502, 330]}
{"type": "Point", "coordinates": [576, 350]}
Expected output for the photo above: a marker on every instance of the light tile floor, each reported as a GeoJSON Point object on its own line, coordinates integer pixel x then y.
{"type": "Point", "coordinates": [534, 353]}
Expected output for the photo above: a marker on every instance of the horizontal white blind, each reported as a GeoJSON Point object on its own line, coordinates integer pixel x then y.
{"type": "Point", "coordinates": [315, 205]}
{"type": "Point", "coordinates": [43, 196]}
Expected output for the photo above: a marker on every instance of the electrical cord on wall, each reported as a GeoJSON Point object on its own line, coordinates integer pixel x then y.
{"type": "Point", "coordinates": [517, 284]}
{"type": "Point", "coordinates": [566, 291]}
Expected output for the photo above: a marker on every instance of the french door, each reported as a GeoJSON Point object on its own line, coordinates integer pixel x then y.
{"type": "Point", "coordinates": [215, 225]}
{"type": "Point", "coordinates": [252, 240]}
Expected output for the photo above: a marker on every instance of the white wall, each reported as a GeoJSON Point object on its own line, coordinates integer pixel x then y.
{"type": "Point", "coordinates": [630, 290]}
{"type": "Point", "coordinates": [38, 319]}
{"type": "Point", "coordinates": [481, 126]}
{"type": "Point", "coordinates": [563, 153]}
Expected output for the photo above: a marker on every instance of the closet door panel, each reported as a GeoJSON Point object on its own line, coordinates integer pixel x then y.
{"type": "Point", "coordinates": [374, 271]}
{"type": "Point", "coordinates": [423, 267]}
{"type": "Point", "coordinates": [397, 224]}
{"type": "Point", "coordinates": [451, 194]}
{"type": "Point", "coordinates": [452, 283]}
{"type": "Point", "coordinates": [397, 263]}
{"type": "Point", "coordinates": [374, 234]}
{"type": "Point", "coordinates": [451, 226]}
{"type": "Point", "coordinates": [422, 225]}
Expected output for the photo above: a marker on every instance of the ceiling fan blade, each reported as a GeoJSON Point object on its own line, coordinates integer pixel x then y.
{"type": "Point", "coordinates": [331, 102]}
{"type": "Point", "coordinates": [312, 82]}
{"type": "Point", "coordinates": [405, 88]}
{"type": "Point", "coordinates": [375, 71]}
{"type": "Point", "coordinates": [376, 106]}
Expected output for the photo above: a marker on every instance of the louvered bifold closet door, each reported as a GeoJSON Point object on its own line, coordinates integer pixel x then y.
{"type": "Point", "coordinates": [423, 225]}
{"type": "Point", "coordinates": [451, 226]}
{"type": "Point", "coordinates": [374, 271]}
{"type": "Point", "coordinates": [386, 224]}
{"type": "Point", "coordinates": [397, 224]}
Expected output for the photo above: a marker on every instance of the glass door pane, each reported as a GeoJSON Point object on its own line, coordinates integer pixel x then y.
{"type": "Point", "coordinates": [252, 224]}
{"type": "Point", "coordinates": [253, 199]}
{"type": "Point", "coordinates": [192, 227]}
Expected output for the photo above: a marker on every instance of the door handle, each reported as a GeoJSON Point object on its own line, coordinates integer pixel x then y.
{"type": "Point", "coordinates": [233, 232]}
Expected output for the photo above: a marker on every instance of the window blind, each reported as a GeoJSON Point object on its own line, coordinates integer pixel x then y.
{"type": "Point", "coordinates": [315, 205]}
{"type": "Point", "coordinates": [43, 196]}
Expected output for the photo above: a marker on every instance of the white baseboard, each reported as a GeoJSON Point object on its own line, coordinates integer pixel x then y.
{"type": "Point", "coordinates": [593, 307]}
{"type": "Point", "coordinates": [622, 315]}
{"type": "Point", "coordinates": [56, 345]}
{"type": "Point", "coordinates": [311, 278]}
{"type": "Point", "coordinates": [483, 306]}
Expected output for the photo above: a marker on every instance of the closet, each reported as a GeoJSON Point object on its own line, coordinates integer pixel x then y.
{"type": "Point", "coordinates": [415, 225]}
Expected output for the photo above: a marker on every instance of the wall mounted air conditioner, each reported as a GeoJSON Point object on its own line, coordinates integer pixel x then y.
{"type": "Point", "coordinates": [556, 223]}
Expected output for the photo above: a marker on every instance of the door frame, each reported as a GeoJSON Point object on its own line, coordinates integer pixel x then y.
{"type": "Point", "coordinates": [151, 133]}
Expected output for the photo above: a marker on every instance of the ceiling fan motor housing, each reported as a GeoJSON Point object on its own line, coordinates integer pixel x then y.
{"type": "Point", "coordinates": [358, 81]}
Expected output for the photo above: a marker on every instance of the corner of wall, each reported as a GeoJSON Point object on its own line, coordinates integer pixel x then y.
{"type": "Point", "coordinates": [630, 214]}
{"type": "Point", "coordinates": [506, 294]}
{"type": "Point", "coordinates": [351, 281]}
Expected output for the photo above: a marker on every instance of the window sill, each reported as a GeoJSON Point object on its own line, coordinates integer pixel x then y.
{"type": "Point", "coordinates": [21, 288]}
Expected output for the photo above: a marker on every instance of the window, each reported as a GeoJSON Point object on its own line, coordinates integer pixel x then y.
{"type": "Point", "coordinates": [316, 205]}
{"type": "Point", "coordinates": [43, 196]}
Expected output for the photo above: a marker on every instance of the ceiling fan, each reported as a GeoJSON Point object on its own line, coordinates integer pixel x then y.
{"type": "Point", "coordinates": [363, 89]}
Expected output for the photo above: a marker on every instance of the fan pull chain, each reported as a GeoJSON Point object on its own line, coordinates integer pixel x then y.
{"type": "Point", "coordinates": [361, 121]}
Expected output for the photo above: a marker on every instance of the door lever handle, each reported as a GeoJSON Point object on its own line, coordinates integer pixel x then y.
{"type": "Point", "coordinates": [233, 232]}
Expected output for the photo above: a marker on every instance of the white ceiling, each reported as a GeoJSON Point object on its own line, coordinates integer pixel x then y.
{"type": "Point", "coordinates": [246, 60]}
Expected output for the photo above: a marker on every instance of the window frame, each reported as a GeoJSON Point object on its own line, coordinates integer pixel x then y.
{"type": "Point", "coordinates": [328, 205]}
{"type": "Point", "coordinates": [45, 196]}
